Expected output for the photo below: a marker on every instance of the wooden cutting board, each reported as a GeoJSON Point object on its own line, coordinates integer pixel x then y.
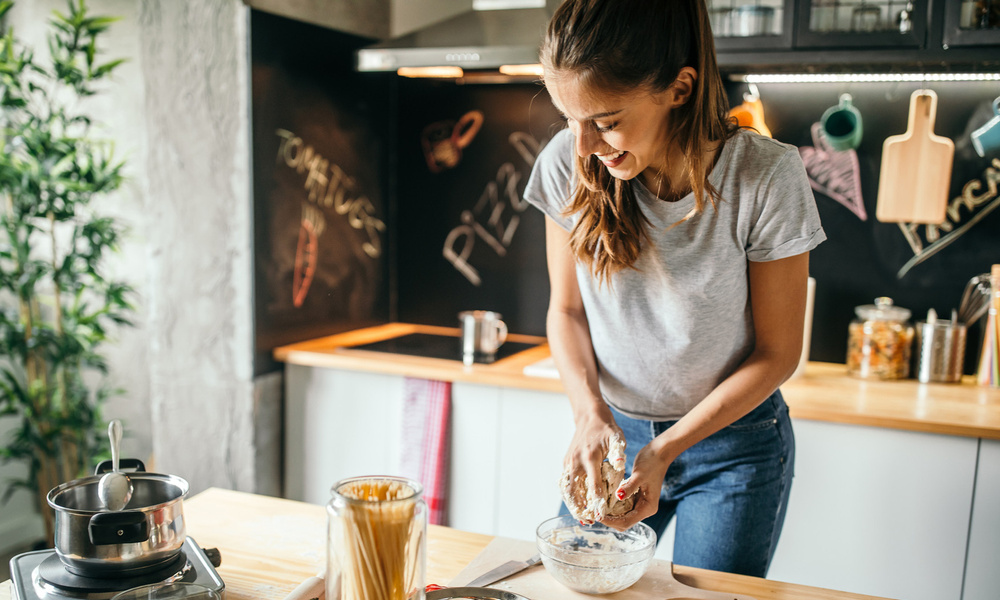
{"type": "Point", "coordinates": [916, 168]}
{"type": "Point", "coordinates": [535, 582]}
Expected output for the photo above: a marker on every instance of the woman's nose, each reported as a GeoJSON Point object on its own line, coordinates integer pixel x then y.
{"type": "Point", "coordinates": [586, 141]}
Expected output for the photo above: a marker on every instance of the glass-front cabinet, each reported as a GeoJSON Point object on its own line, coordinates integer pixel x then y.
{"type": "Point", "coordinates": [861, 24]}
{"type": "Point", "coordinates": [971, 22]}
{"type": "Point", "coordinates": [870, 27]}
{"type": "Point", "coordinates": [765, 24]}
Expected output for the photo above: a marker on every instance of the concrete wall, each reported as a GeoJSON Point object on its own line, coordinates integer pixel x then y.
{"type": "Point", "coordinates": [179, 112]}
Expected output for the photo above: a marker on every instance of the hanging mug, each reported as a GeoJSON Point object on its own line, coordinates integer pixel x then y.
{"type": "Point", "coordinates": [986, 139]}
{"type": "Point", "coordinates": [841, 125]}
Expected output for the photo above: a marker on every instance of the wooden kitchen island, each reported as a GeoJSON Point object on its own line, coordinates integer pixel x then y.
{"type": "Point", "coordinates": [269, 545]}
{"type": "Point", "coordinates": [896, 490]}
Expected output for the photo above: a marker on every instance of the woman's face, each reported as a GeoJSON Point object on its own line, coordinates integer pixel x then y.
{"type": "Point", "coordinates": [626, 132]}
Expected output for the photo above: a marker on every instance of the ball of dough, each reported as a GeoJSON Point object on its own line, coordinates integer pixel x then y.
{"type": "Point", "coordinates": [587, 506]}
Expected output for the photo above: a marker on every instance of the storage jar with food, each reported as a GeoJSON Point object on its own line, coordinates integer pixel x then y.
{"type": "Point", "coordinates": [879, 341]}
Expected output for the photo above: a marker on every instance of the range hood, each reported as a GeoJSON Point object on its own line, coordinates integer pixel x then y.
{"type": "Point", "coordinates": [493, 34]}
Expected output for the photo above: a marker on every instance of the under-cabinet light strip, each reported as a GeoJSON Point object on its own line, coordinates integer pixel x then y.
{"type": "Point", "coordinates": [864, 77]}
{"type": "Point", "coordinates": [442, 72]}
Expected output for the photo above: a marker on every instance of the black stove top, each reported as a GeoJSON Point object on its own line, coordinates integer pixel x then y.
{"type": "Point", "coordinates": [40, 575]}
{"type": "Point", "coordinates": [432, 345]}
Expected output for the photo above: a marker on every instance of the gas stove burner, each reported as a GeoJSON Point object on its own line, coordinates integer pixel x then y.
{"type": "Point", "coordinates": [41, 575]}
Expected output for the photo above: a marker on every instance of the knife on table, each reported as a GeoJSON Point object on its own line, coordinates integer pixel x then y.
{"type": "Point", "coordinates": [503, 571]}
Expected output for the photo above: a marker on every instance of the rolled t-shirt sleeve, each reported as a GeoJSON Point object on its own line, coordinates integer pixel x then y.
{"type": "Point", "coordinates": [787, 221]}
{"type": "Point", "coordinates": [551, 182]}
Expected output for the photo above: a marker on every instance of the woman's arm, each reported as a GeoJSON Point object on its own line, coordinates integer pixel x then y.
{"type": "Point", "coordinates": [777, 302]}
{"type": "Point", "coordinates": [569, 339]}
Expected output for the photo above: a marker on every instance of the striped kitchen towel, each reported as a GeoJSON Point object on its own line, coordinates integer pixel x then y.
{"type": "Point", "coordinates": [425, 451]}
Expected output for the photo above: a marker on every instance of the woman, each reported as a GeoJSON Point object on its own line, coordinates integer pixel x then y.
{"type": "Point", "coordinates": [677, 249]}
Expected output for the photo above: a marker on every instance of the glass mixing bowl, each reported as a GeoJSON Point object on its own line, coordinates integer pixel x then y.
{"type": "Point", "coordinates": [594, 559]}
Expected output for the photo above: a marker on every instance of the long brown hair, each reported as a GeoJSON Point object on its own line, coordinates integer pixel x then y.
{"type": "Point", "coordinates": [618, 46]}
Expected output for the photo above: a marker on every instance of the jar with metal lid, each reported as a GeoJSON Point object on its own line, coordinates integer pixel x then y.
{"type": "Point", "coordinates": [879, 341]}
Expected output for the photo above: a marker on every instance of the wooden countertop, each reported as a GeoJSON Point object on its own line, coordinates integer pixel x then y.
{"type": "Point", "coordinates": [269, 545]}
{"type": "Point", "coordinates": [824, 393]}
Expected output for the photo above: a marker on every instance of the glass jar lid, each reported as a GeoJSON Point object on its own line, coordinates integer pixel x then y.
{"type": "Point", "coordinates": [882, 310]}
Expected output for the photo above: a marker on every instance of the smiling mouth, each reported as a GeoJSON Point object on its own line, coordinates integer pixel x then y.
{"type": "Point", "coordinates": [612, 160]}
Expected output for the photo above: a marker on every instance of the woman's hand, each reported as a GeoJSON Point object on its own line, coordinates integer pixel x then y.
{"type": "Point", "coordinates": [587, 451]}
{"type": "Point", "coordinates": [648, 471]}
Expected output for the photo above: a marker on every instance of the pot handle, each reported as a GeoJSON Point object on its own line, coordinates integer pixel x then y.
{"type": "Point", "coordinates": [124, 464]}
{"type": "Point", "coordinates": [127, 527]}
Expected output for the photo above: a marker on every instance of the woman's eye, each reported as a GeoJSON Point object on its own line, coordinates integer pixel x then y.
{"type": "Point", "coordinates": [605, 128]}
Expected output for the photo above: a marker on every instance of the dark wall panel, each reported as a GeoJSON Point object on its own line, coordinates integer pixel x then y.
{"type": "Point", "coordinates": [466, 238]}
{"type": "Point", "coordinates": [320, 148]}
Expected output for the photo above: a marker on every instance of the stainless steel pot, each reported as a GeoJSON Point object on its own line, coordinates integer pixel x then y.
{"type": "Point", "coordinates": [149, 533]}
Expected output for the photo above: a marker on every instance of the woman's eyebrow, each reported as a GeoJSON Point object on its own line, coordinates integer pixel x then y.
{"type": "Point", "coordinates": [602, 115]}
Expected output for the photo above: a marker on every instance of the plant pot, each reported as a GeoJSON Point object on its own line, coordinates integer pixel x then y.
{"type": "Point", "coordinates": [92, 541]}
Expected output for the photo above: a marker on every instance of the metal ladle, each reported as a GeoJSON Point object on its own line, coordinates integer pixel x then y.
{"type": "Point", "coordinates": [115, 488]}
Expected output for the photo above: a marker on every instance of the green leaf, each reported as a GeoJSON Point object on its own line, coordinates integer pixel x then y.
{"type": "Point", "coordinates": [106, 68]}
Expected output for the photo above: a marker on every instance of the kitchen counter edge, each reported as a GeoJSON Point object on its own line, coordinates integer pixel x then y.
{"type": "Point", "coordinates": [824, 392]}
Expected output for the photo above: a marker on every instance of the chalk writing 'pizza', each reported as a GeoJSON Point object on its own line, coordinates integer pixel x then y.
{"type": "Point", "coordinates": [487, 221]}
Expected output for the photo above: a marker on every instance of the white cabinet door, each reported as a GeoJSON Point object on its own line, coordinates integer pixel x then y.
{"type": "Point", "coordinates": [877, 511]}
{"type": "Point", "coordinates": [475, 451]}
{"type": "Point", "coordinates": [536, 430]}
{"type": "Point", "coordinates": [339, 424]}
{"type": "Point", "coordinates": [982, 575]}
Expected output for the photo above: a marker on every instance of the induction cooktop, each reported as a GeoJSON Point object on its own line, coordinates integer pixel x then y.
{"type": "Point", "coordinates": [432, 345]}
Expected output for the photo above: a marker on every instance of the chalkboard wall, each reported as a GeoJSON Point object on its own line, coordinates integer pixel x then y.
{"type": "Point", "coordinates": [467, 240]}
{"type": "Point", "coordinates": [443, 165]}
{"type": "Point", "coordinates": [861, 260]}
{"type": "Point", "coordinates": [321, 145]}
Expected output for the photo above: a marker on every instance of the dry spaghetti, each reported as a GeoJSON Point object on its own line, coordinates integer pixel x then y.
{"type": "Point", "coordinates": [377, 538]}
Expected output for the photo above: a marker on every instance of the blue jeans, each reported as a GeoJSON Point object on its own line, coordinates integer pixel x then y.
{"type": "Point", "coordinates": [729, 492]}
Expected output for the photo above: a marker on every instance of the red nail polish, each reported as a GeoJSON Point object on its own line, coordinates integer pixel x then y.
{"type": "Point", "coordinates": [620, 494]}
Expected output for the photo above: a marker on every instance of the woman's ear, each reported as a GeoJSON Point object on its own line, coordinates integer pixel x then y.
{"type": "Point", "coordinates": [682, 87]}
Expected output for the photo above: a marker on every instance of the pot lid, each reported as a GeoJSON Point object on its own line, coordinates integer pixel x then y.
{"type": "Point", "coordinates": [882, 310]}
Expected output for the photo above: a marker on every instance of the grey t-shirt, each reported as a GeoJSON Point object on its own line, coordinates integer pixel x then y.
{"type": "Point", "coordinates": [668, 332]}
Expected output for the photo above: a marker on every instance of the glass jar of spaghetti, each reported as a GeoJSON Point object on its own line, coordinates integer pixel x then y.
{"type": "Point", "coordinates": [879, 341]}
{"type": "Point", "coordinates": [376, 539]}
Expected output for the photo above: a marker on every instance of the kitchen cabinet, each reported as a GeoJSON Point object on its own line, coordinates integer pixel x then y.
{"type": "Point", "coordinates": [739, 25]}
{"type": "Point", "coordinates": [896, 489]}
{"type": "Point", "coordinates": [836, 35]}
{"type": "Point", "coordinates": [971, 23]}
{"type": "Point", "coordinates": [338, 424]}
{"type": "Point", "coordinates": [982, 578]}
{"type": "Point", "coordinates": [861, 24]}
{"type": "Point", "coordinates": [506, 446]}
{"type": "Point", "coordinates": [879, 511]}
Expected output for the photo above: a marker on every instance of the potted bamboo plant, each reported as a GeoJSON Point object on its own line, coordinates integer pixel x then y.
{"type": "Point", "coordinates": [57, 306]}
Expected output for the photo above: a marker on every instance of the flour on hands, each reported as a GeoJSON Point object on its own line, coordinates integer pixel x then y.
{"type": "Point", "coordinates": [586, 505]}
